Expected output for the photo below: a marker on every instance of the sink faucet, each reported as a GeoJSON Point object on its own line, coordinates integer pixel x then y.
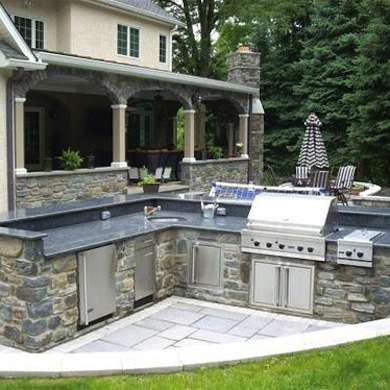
{"type": "Point", "coordinates": [150, 210]}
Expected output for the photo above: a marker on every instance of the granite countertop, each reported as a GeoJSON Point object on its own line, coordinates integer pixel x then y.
{"type": "Point", "coordinates": [83, 236]}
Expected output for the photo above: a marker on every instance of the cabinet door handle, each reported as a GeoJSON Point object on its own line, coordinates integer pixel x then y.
{"type": "Point", "coordinates": [194, 253]}
{"type": "Point", "coordinates": [85, 287]}
{"type": "Point", "coordinates": [287, 282]}
{"type": "Point", "coordinates": [277, 289]}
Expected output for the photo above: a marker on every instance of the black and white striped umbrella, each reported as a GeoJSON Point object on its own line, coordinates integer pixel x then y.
{"type": "Point", "coordinates": [313, 152]}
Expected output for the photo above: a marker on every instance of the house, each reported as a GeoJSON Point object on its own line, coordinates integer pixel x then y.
{"type": "Point", "coordinates": [96, 76]}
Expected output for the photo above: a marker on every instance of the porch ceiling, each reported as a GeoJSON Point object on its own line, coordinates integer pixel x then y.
{"type": "Point", "coordinates": [142, 73]}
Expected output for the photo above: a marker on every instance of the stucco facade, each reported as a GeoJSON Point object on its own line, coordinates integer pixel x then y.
{"type": "Point", "coordinates": [3, 143]}
{"type": "Point", "coordinates": [84, 29]}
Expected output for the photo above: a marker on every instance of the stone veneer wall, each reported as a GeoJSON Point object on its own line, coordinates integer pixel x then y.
{"type": "Point", "coordinates": [200, 175]}
{"type": "Point", "coordinates": [45, 188]}
{"type": "Point", "coordinates": [371, 201]}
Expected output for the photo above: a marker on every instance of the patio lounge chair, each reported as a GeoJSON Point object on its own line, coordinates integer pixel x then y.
{"type": "Point", "coordinates": [343, 183]}
{"type": "Point", "coordinates": [167, 174]}
{"type": "Point", "coordinates": [133, 174]}
{"type": "Point", "coordinates": [319, 179]}
{"type": "Point", "coordinates": [301, 175]}
{"type": "Point", "coordinates": [159, 173]}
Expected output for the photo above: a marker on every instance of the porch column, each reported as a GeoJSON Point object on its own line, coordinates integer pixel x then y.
{"type": "Point", "coordinates": [19, 136]}
{"type": "Point", "coordinates": [119, 136]}
{"type": "Point", "coordinates": [244, 134]}
{"type": "Point", "coordinates": [230, 128]}
{"type": "Point", "coordinates": [189, 136]}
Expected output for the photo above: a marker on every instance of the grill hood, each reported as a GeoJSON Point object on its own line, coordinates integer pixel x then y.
{"type": "Point", "coordinates": [306, 215]}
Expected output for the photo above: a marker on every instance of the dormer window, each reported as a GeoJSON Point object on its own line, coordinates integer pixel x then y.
{"type": "Point", "coordinates": [163, 49]}
{"type": "Point", "coordinates": [128, 41]}
{"type": "Point", "coordinates": [33, 31]}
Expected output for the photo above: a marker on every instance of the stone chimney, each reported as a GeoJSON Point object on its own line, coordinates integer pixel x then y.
{"type": "Point", "coordinates": [244, 67]}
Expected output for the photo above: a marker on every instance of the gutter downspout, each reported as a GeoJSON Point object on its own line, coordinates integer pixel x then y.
{"type": "Point", "coordinates": [10, 146]}
{"type": "Point", "coordinates": [250, 166]}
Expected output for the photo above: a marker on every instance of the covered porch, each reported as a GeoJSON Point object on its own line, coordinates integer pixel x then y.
{"type": "Point", "coordinates": [157, 119]}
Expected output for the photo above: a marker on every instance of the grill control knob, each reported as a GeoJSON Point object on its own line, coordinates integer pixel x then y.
{"type": "Point", "coordinates": [360, 254]}
{"type": "Point", "coordinates": [348, 253]}
{"type": "Point", "coordinates": [257, 243]}
{"type": "Point", "coordinates": [281, 246]}
{"type": "Point", "coordinates": [269, 245]}
{"type": "Point", "coordinates": [310, 250]}
{"type": "Point", "coordinates": [300, 248]}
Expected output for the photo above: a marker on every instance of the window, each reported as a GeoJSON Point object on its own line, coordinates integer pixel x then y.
{"type": "Point", "coordinates": [128, 41]}
{"type": "Point", "coordinates": [33, 31]}
{"type": "Point", "coordinates": [163, 48]}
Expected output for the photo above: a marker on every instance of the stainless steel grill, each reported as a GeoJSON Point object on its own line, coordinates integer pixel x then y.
{"type": "Point", "coordinates": [356, 248]}
{"type": "Point", "coordinates": [293, 226]}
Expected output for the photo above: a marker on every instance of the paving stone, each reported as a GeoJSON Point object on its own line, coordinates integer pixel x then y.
{"type": "Point", "coordinates": [177, 316]}
{"type": "Point", "coordinates": [129, 336]}
{"type": "Point", "coordinates": [178, 332]}
{"type": "Point", "coordinates": [258, 337]}
{"type": "Point", "coordinates": [215, 337]}
{"type": "Point", "coordinates": [231, 315]}
{"type": "Point", "coordinates": [250, 326]}
{"type": "Point", "coordinates": [215, 324]}
{"type": "Point", "coordinates": [186, 343]}
{"type": "Point", "coordinates": [155, 343]}
{"type": "Point", "coordinates": [101, 346]}
{"type": "Point", "coordinates": [283, 328]}
{"type": "Point", "coordinates": [155, 324]}
{"type": "Point", "coordinates": [187, 306]}
{"type": "Point", "coordinates": [314, 328]}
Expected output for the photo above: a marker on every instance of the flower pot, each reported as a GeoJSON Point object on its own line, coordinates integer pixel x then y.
{"type": "Point", "coordinates": [150, 188]}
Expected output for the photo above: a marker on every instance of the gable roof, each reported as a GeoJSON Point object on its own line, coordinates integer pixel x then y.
{"type": "Point", "coordinates": [146, 8]}
{"type": "Point", "coordinates": [11, 52]}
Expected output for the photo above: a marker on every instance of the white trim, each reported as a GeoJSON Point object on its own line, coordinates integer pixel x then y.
{"type": "Point", "coordinates": [128, 55]}
{"type": "Point", "coordinates": [119, 164]}
{"type": "Point", "coordinates": [143, 73]}
{"type": "Point", "coordinates": [16, 36]}
{"type": "Point", "coordinates": [20, 100]}
{"type": "Point", "coordinates": [26, 64]}
{"type": "Point", "coordinates": [187, 160]}
{"type": "Point", "coordinates": [20, 171]}
{"type": "Point", "coordinates": [160, 34]}
{"type": "Point", "coordinates": [119, 106]}
{"type": "Point", "coordinates": [34, 21]}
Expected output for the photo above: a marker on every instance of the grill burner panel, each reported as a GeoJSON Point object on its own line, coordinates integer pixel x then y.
{"type": "Point", "coordinates": [292, 226]}
{"type": "Point", "coordinates": [356, 248]}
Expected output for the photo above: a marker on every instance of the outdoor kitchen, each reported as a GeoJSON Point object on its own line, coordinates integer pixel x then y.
{"type": "Point", "coordinates": [66, 270]}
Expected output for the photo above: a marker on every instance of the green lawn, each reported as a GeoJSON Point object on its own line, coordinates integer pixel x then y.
{"type": "Point", "coordinates": [360, 366]}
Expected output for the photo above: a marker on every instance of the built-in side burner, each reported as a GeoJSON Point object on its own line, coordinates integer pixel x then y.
{"type": "Point", "coordinates": [356, 248]}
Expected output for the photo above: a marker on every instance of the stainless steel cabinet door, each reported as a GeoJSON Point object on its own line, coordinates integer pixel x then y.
{"type": "Point", "coordinates": [299, 288]}
{"type": "Point", "coordinates": [96, 283]}
{"type": "Point", "coordinates": [206, 267]}
{"type": "Point", "coordinates": [144, 273]}
{"type": "Point", "coordinates": [265, 284]}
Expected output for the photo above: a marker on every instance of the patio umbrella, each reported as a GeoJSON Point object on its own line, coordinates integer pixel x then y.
{"type": "Point", "coordinates": [313, 153]}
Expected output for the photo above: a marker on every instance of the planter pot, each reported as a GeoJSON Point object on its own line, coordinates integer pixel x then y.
{"type": "Point", "coordinates": [150, 188]}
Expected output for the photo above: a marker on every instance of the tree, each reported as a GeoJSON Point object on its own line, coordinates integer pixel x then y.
{"type": "Point", "coordinates": [369, 130]}
{"type": "Point", "coordinates": [193, 43]}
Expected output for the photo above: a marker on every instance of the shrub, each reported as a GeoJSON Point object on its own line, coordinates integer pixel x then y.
{"type": "Point", "coordinates": [70, 160]}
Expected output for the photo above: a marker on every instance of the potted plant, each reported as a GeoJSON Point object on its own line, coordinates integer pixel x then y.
{"type": "Point", "coordinates": [149, 184]}
{"type": "Point", "coordinates": [70, 160]}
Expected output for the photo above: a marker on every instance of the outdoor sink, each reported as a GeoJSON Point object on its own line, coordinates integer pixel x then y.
{"type": "Point", "coordinates": [166, 219]}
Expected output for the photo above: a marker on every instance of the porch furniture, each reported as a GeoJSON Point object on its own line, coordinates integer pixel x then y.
{"type": "Point", "coordinates": [301, 175]}
{"type": "Point", "coordinates": [167, 174]}
{"type": "Point", "coordinates": [319, 179]}
{"type": "Point", "coordinates": [343, 183]}
{"type": "Point", "coordinates": [142, 173]}
{"type": "Point", "coordinates": [159, 173]}
{"type": "Point", "coordinates": [133, 174]}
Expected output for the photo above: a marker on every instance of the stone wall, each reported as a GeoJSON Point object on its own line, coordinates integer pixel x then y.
{"type": "Point", "coordinates": [38, 299]}
{"type": "Point", "coordinates": [45, 188]}
{"type": "Point", "coordinates": [200, 175]}
{"type": "Point", "coordinates": [370, 201]}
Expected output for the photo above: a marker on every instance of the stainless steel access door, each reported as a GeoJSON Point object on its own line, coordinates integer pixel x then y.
{"type": "Point", "coordinates": [145, 274]}
{"type": "Point", "coordinates": [96, 283]}
{"type": "Point", "coordinates": [206, 265]}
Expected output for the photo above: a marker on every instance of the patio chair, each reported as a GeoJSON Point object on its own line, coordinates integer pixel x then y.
{"type": "Point", "coordinates": [133, 174]}
{"type": "Point", "coordinates": [167, 174]}
{"type": "Point", "coordinates": [143, 172]}
{"type": "Point", "coordinates": [319, 179]}
{"type": "Point", "coordinates": [159, 173]}
{"type": "Point", "coordinates": [342, 186]}
{"type": "Point", "coordinates": [301, 175]}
